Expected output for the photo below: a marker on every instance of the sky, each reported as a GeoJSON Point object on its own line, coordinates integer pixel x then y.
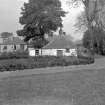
{"type": "Point", "coordinates": [10, 13]}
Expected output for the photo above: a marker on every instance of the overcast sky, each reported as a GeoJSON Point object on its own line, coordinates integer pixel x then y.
{"type": "Point", "coordinates": [10, 13]}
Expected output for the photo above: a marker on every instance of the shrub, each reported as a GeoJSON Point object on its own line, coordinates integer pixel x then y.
{"type": "Point", "coordinates": [38, 62]}
{"type": "Point", "coordinates": [13, 55]}
{"type": "Point", "coordinates": [84, 53]}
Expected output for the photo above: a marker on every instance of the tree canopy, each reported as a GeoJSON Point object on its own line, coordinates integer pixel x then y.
{"type": "Point", "coordinates": [81, 22]}
{"type": "Point", "coordinates": [94, 11]}
{"type": "Point", "coordinates": [92, 18]}
{"type": "Point", "coordinates": [98, 40]}
{"type": "Point", "coordinates": [40, 17]}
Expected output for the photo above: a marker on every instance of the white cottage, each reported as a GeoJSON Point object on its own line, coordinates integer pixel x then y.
{"type": "Point", "coordinates": [60, 46]}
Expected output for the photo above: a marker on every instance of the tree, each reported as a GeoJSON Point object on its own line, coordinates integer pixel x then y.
{"type": "Point", "coordinates": [98, 40]}
{"type": "Point", "coordinates": [81, 23]}
{"type": "Point", "coordinates": [96, 11]}
{"type": "Point", "coordinates": [6, 34]}
{"type": "Point", "coordinates": [38, 43]}
{"type": "Point", "coordinates": [93, 14]}
{"type": "Point", "coordinates": [40, 17]}
{"type": "Point", "coordinates": [86, 39]}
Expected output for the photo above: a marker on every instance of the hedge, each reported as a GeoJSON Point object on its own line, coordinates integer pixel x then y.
{"type": "Point", "coordinates": [12, 55]}
{"type": "Point", "coordinates": [40, 62]}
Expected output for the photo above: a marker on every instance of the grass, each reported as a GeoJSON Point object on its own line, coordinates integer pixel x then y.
{"type": "Point", "coordinates": [69, 88]}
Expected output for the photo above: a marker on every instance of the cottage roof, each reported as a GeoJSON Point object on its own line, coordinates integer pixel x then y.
{"type": "Point", "coordinates": [14, 40]}
{"type": "Point", "coordinates": [79, 42]}
{"type": "Point", "coordinates": [60, 42]}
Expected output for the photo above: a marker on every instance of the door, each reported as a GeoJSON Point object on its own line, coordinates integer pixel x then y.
{"type": "Point", "coordinates": [37, 52]}
{"type": "Point", "coordinates": [59, 52]}
{"type": "Point", "coordinates": [22, 46]}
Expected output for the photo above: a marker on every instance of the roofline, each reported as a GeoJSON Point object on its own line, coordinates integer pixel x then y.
{"type": "Point", "coordinates": [49, 43]}
{"type": "Point", "coordinates": [59, 48]}
{"type": "Point", "coordinates": [45, 47]}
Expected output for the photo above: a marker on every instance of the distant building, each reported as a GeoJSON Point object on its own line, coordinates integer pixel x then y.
{"type": "Point", "coordinates": [59, 46]}
{"type": "Point", "coordinates": [12, 44]}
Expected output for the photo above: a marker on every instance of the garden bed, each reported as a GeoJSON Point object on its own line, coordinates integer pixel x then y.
{"type": "Point", "coordinates": [40, 62]}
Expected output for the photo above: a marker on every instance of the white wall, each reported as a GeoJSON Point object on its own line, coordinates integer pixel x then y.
{"type": "Point", "coordinates": [49, 52]}
{"type": "Point", "coordinates": [53, 52]}
{"type": "Point", "coordinates": [31, 51]}
{"type": "Point", "coordinates": [73, 52]}
{"type": "Point", "coordinates": [9, 48]}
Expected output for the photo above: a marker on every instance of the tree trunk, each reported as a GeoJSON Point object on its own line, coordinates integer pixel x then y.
{"type": "Point", "coordinates": [90, 9]}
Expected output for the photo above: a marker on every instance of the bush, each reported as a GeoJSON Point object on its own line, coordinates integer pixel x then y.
{"type": "Point", "coordinates": [84, 53]}
{"type": "Point", "coordinates": [39, 62]}
{"type": "Point", "coordinates": [13, 55]}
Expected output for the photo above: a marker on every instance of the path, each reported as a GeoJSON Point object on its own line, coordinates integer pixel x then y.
{"type": "Point", "coordinates": [99, 64]}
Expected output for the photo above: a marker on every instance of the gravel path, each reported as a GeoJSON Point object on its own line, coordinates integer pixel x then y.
{"type": "Point", "coordinates": [99, 64]}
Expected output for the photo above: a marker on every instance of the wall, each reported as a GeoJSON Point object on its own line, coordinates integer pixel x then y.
{"type": "Point", "coordinates": [10, 48]}
{"type": "Point", "coordinates": [32, 52]}
{"type": "Point", "coordinates": [73, 52]}
{"type": "Point", "coordinates": [53, 52]}
{"type": "Point", "coordinates": [25, 47]}
{"type": "Point", "coordinates": [49, 52]}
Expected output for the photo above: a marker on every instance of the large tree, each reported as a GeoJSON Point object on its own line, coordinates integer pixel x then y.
{"type": "Point", "coordinates": [98, 40]}
{"type": "Point", "coordinates": [40, 17]}
{"type": "Point", "coordinates": [97, 13]}
{"type": "Point", "coordinates": [93, 10]}
{"type": "Point", "coordinates": [81, 23]}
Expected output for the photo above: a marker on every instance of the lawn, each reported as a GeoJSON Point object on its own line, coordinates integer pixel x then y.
{"type": "Point", "coordinates": [84, 87]}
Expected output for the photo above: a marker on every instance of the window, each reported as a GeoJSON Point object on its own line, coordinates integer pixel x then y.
{"type": "Point", "coordinates": [5, 48]}
{"type": "Point", "coordinates": [14, 47]}
{"type": "Point", "coordinates": [22, 46]}
{"type": "Point", "coordinates": [67, 50]}
{"type": "Point", "coordinates": [36, 52]}
{"type": "Point", "coordinates": [59, 52]}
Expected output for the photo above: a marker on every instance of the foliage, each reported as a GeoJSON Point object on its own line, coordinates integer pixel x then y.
{"type": "Point", "coordinates": [94, 17]}
{"type": "Point", "coordinates": [14, 55]}
{"type": "Point", "coordinates": [98, 40]}
{"type": "Point", "coordinates": [39, 62]}
{"type": "Point", "coordinates": [38, 43]}
{"type": "Point", "coordinates": [6, 34]}
{"type": "Point", "coordinates": [40, 17]}
{"type": "Point", "coordinates": [81, 22]}
{"type": "Point", "coordinates": [94, 13]}
{"type": "Point", "coordinates": [86, 39]}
